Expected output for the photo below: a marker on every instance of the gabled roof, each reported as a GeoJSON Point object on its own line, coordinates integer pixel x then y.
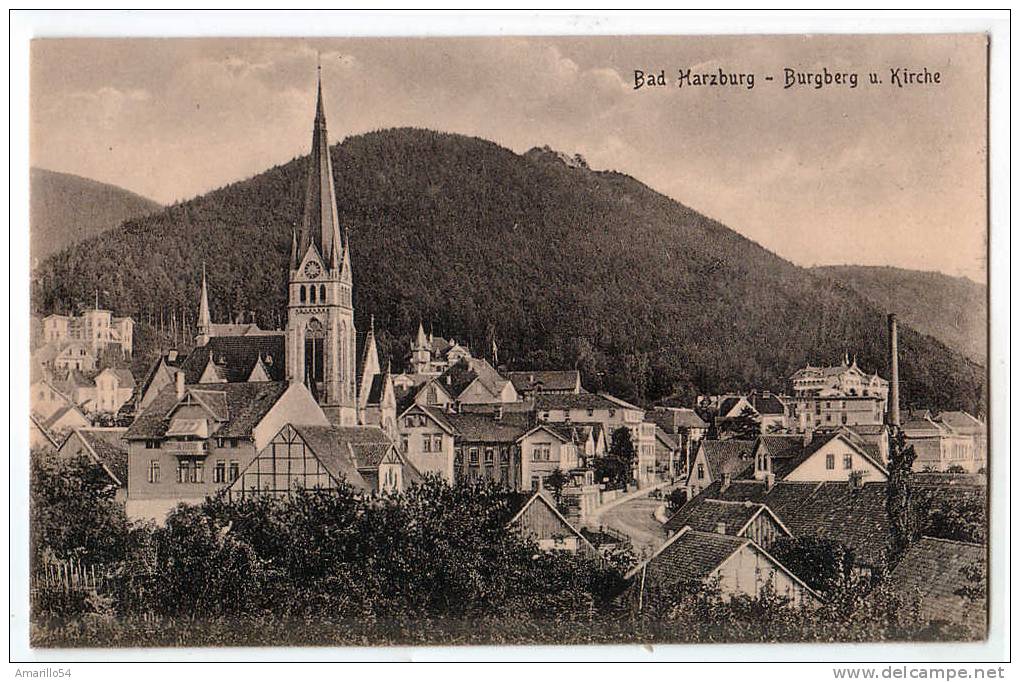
{"type": "Point", "coordinates": [708, 514]}
{"type": "Point", "coordinates": [935, 570]}
{"type": "Point", "coordinates": [562, 435]}
{"type": "Point", "coordinates": [481, 428]}
{"type": "Point", "coordinates": [124, 376]}
{"type": "Point", "coordinates": [518, 503]}
{"type": "Point", "coordinates": [236, 356]}
{"type": "Point", "coordinates": [672, 419]}
{"type": "Point", "coordinates": [42, 429]}
{"type": "Point", "coordinates": [546, 380]}
{"type": "Point", "coordinates": [574, 401]}
{"type": "Point", "coordinates": [962, 422]}
{"type": "Point", "coordinates": [731, 457]}
{"type": "Point", "coordinates": [334, 453]}
{"type": "Point", "coordinates": [729, 403]}
{"type": "Point", "coordinates": [108, 448]}
{"type": "Point", "coordinates": [767, 404]}
{"type": "Point", "coordinates": [833, 509]}
{"type": "Point", "coordinates": [246, 405]}
{"type": "Point", "coordinates": [377, 389]}
{"type": "Point", "coordinates": [690, 555]}
{"type": "Point", "coordinates": [456, 379]}
{"type": "Point", "coordinates": [57, 416]}
{"type": "Point", "coordinates": [437, 415]}
{"type": "Point", "coordinates": [788, 452]}
{"type": "Point", "coordinates": [667, 440]}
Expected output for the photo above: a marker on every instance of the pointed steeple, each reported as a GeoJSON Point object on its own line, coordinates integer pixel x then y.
{"type": "Point", "coordinates": [295, 257]}
{"type": "Point", "coordinates": [421, 341]}
{"type": "Point", "coordinates": [320, 224]}
{"type": "Point", "coordinates": [204, 320]}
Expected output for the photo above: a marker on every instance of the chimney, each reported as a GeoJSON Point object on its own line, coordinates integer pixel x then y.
{"type": "Point", "coordinates": [770, 481]}
{"type": "Point", "coordinates": [894, 370]}
{"type": "Point", "coordinates": [720, 528]}
{"type": "Point", "coordinates": [180, 385]}
{"type": "Point", "coordinates": [726, 480]}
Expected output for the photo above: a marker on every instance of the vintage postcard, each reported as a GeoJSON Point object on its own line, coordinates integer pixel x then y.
{"type": "Point", "coordinates": [536, 340]}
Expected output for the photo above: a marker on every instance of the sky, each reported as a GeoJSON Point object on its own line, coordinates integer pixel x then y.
{"type": "Point", "coordinates": [876, 175]}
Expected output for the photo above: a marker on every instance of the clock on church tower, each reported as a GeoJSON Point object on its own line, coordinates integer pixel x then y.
{"type": "Point", "coordinates": [312, 269]}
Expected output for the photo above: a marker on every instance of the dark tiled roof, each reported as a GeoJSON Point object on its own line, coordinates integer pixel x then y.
{"type": "Point", "coordinates": [334, 454]}
{"type": "Point", "coordinates": [693, 555]}
{"type": "Point", "coordinates": [833, 509]}
{"type": "Point", "coordinates": [479, 428]}
{"type": "Point", "coordinates": [731, 457]}
{"type": "Point", "coordinates": [707, 516]}
{"type": "Point", "coordinates": [672, 419]}
{"type": "Point", "coordinates": [111, 450]}
{"type": "Point", "coordinates": [934, 571]}
{"type": "Point", "coordinates": [727, 405]}
{"type": "Point", "coordinates": [463, 373]}
{"type": "Point", "coordinates": [574, 401]}
{"type": "Point", "coordinates": [546, 380]}
{"type": "Point", "coordinates": [237, 355]}
{"type": "Point", "coordinates": [246, 403]}
{"type": "Point", "coordinates": [767, 404]}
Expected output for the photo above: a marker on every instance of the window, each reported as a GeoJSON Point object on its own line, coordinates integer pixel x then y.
{"type": "Point", "coordinates": [830, 462]}
{"type": "Point", "coordinates": [458, 457]}
{"type": "Point", "coordinates": [312, 293]}
{"type": "Point", "coordinates": [591, 412]}
{"type": "Point", "coordinates": [848, 461]}
{"type": "Point", "coordinates": [473, 456]}
{"type": "Point", "coordinates": [403, 443]}
{"type": "Point", "coordinates": [426, 443]}
{"type": "Point", "coordinates": [844, 418]}
{"type": "Point", "coordinates": [489, 456]}
{"type": "Point", "coordinates": [437, 443]}
{"type": "Point", "coordinates": [154, 471]}
{"type": "Point", "coordinates": [540, 453]}
{"type": "Point", "coordinates": [152, 445]}
{"type": "Point", "coordinates": [303, 293]}
{"type": "Point", "coordinates": [701, 471]}
{"type": "Point", "coordinates": [189, 470]}
{"type": "Point", "coordinates": [235, 470]}
{"type": "Point", "coordinates": [220, 473]}
{"type": "Point", "coordinates": [322, 293]}
{"type": "Point", "coordinates": [504, 456]}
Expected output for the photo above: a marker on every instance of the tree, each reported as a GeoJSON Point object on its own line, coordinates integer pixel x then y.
{"type": "Point", "coordinates": [621, 445]}
{"type": "Point", "coordinates": [899, 502]}
{"type": "Point", "coordinates": [556, 481]}
{"type": "Point", "coordinates": [745, 426]}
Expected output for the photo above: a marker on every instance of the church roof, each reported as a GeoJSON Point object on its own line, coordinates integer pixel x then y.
{"type": "Point", "coordinates": [320, 223]}
{"type": "Point", "coordinates": [237, 356]}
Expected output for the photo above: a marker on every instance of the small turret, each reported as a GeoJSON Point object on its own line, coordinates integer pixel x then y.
{"type": "Point", "coordinates": [204, 326]}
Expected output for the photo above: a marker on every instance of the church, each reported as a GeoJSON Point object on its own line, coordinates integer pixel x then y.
{"type": "Point", "coordinates": [320, 345]}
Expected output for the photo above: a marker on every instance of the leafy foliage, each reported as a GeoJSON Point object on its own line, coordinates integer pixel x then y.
{"type": "Point", "coordinates": [552, 258]}
{"type": "Point", "coordinates": [745, 426]}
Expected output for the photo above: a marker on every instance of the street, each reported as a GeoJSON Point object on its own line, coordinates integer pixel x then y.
{"type": "Point", "coordinates": [634, 518]}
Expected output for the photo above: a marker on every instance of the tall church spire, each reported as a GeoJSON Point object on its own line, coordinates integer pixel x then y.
{"type": "Point", "coordinates": [204, 320]}
{"type": "Point", "coordinates": [320, 224]}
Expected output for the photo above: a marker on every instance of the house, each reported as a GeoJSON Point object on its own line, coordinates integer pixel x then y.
{"type": "Point", "coordinates": [965, 425]}
{"type": "Point", "coordinates": [98, 329]}
{"type": "Point", "coordinates": [427, 440]}
{"type": "Point", "coordinates": [546, 448]}
{"type": "Point", "coordinates": [189, 429]}
{"type": "Point", "coordinates": [63, 421]}
{"type": "Point", "coordinates": [163, 373]}
{"type": "Point", "coordinates": [832, 456]}
{"type": "Point", "coordinates": [852, 513]}
{"type": "Point", "coordinates": [433, 355]}
{"type": "Point", "coordinates": [536, 518]}
{"type": "Point", "coordinates": [474, 380]}
{"type": "Point", "coordinates": [737, 565]}
{"type": "Point", "coordinates": [107, 448]}
{"type": "Point", "coordinates": [485, 446]}
{"type": "Point", "coordinates": [114, 387]}
{"type": "Point", "coordinates": [937, 445]}
{"type": "Point", "coordinates": [67, 355]}
{"type": "Point", "coordinates": [668, 459]}
{"type": "Point", "coordinates": [611, 413]}
{"type": "Point", "coordinates": [934, 575]}
{"type": "Point", "coordinates": [832, 396]}
{"type": "Point", "coordinates": [716, 459]}
{"type": "Point", "coordinates": [535, 382]}
{"type": "Point", "coordinates": [687, 429]}
{"type": "Point", "coordinates": [771, 409]}
{"type": "Point", "coordinates": [46, 397]}
{"type": "Point", "coordinates": [310, 458]}
{"type": "Point", "coordinates": [38, 437]}
{"type": "Point", "coordinates": [726, 517]}
{"type": "Point", "coordinates": [875, 438]}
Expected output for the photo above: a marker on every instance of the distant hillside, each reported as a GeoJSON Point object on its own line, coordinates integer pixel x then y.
{"type": "Point", "coordinates": [952, 309]}
{"type": "Point", "coordinates": [563, 266]}
{"type": "Point", "coordinates": [66, 209]}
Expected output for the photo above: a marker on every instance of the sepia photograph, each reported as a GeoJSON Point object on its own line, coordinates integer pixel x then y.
{"type": "Point", "coordinates": [507, 340]}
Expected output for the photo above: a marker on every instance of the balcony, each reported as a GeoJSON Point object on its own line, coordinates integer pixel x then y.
{"type": "Point", "coordinates": [187, 448]}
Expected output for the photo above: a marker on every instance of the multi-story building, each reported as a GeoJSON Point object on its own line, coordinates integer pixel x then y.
{"type": "Point", "coordinates": [938, 446]}
{"type": "Point", "coordinates": [611, 413]}
{"type": "Point", "coordinates": [829, 397]}
{"type": "Point", "coordinates": [98, 329]}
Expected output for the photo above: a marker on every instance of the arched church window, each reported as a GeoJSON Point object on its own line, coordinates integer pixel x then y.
{"type": "Point", "coordinates": [302, 293]}
{"type": "Point", "coordinates": [322, 293]}
{"type": "Point", "coordinates": [313, 293]}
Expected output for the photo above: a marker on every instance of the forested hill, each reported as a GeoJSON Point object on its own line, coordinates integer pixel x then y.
{"type": "Point", "coordinates": [65, 209]}
{"type": "Point", "coordinates": [952, 309]}
{"type": "Point", "coordinates": [562, 265]}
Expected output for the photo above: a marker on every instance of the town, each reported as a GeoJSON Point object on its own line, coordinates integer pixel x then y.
{"type": "Point", "coordinates": [731, 491]}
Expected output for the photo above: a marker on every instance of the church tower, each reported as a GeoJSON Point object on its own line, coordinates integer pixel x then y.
{"type": "Point", "coordinates": [320, 311]}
